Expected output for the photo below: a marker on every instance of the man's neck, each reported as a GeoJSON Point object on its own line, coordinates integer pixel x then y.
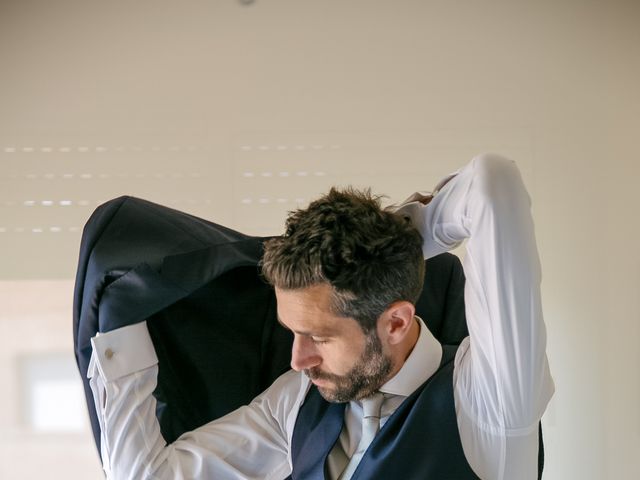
{"type": "Point", "coordinates": [404, 349]}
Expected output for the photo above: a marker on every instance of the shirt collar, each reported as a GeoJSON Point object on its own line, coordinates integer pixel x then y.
{"type": "Point", "coordinates": [423, 361]}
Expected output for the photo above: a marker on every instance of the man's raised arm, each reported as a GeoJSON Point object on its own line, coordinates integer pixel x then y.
{"type": "Point", "coordinates": [501, 376]}
{"type": "Point", "coordinates": [249, 443]}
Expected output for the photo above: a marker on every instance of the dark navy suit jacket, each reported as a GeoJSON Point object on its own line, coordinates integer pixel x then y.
{"type": "Point", "coordinates": [211, 317]}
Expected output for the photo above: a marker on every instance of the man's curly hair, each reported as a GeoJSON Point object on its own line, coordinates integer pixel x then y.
{"type": "Point", "coordinates": [369, 256]}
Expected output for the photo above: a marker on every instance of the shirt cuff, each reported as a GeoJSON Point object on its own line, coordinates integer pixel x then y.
{"type": "Point", "coordinates": [122, 352]}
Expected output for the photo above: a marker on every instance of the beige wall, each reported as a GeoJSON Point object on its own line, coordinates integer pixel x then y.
{"type": "Point", "coordinates": [34, 321]}
{"type": "Point", "coordinates": [204, 105]}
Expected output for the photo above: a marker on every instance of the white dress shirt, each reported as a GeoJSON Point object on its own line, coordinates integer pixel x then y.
{"type": "Point", "coordinates": [502, 382]}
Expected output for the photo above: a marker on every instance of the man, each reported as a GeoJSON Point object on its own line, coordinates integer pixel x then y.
{"type": "Point", "coordinates": [372, 394]}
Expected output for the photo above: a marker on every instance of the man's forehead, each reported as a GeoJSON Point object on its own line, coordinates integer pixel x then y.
{"type": "Point", "coordinates": [316, 297]}
{"type": "Point", "coordinates": [308, 310]}
{"type": "Point", "coordinates": [316, 329]}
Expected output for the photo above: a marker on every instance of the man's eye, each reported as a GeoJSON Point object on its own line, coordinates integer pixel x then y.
{"type": "Point", "coordinates": [318, 340]}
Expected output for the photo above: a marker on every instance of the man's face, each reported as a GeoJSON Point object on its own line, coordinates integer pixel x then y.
{"type": "Point", "coordinates": [334, 352]}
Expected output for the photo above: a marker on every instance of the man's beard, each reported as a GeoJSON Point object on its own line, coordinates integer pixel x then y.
{"type": "Point", "coordinates": [367, 375]}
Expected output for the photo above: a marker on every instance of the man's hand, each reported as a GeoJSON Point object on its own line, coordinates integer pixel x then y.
{"type": "Point", "coordinates": [422, 197]}
{"type": "Point", "coordinates": [411, 209]}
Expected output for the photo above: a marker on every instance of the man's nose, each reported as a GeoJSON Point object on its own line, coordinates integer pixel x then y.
{"type": "Point", "coordinates": [304, 354]}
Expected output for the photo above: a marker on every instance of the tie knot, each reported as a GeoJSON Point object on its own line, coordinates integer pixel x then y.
{"type": "Point", "coordinates": [371, 406]}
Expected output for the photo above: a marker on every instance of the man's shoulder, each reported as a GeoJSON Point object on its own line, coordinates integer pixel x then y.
{"type": "Point", "coordinates": [291, 387]}
{"type": "Point", "coordinates": [292, 378]}
{"type": "Point", "coordinates": [282, 400]}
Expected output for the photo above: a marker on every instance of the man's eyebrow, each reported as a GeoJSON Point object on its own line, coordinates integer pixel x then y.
{"type": "Point", "coordinates": [302, 332]}
{"type": "Point", "coordinates": [306, 334]}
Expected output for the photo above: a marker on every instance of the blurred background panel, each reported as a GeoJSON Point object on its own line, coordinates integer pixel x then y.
{"type": "Point", "coordinates": [240, 111]}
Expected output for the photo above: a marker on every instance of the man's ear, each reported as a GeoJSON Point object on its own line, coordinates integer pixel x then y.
{"type": "Point", "coordinates": [396, 321]}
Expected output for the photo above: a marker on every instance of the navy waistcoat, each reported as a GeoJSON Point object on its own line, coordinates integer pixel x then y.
{"type": "Point", "coordinates": [420, 440]}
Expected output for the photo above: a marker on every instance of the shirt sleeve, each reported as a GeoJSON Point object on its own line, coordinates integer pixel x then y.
{"type": "Point", "coordinates": [248, 443]}
{"type": "Point", "coordinates": [502, 382]}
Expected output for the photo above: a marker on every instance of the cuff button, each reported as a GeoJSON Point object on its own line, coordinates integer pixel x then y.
{"type": "Point", "coordinates": [108, 353]}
